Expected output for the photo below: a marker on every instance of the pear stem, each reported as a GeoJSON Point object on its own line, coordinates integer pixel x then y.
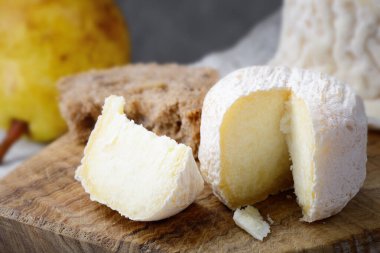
{"type": "Point", "coordinates": [16, 130]}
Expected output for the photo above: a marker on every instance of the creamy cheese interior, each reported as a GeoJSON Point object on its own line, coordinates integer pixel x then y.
{"type": "Point", "coordinates": [299, 136]}
{"type": "Point", "coordinates": [129, 168]}
{"type": "Point", "coordinates": [255, 159]}
{"type": "Point", "coordinates": [258, 135]}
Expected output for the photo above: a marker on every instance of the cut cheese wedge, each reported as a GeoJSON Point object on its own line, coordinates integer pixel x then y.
{"type": "Point", "coordinates": [252, 222]}
{"type": "Point", "coordinates": [264, 126]}
{"type": "Point", "coordinates": [133, 171]}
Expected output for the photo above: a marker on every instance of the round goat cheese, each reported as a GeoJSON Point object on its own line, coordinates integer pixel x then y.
{"type": "Point", "coordinates": [265, 129]}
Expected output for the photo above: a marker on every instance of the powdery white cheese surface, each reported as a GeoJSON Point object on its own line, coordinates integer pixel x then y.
{"type": "Point", "coordinates": [339, 129]}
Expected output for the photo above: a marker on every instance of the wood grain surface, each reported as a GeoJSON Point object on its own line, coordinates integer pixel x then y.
{"type": "Point", "coordinates": [43, 209]}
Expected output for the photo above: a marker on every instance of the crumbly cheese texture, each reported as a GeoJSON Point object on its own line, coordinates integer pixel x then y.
{"type": "Point", "coordinates": [252, 222]}
{"type": "Point", "coordinates": [255, 119]}
{"type": "Point", "coordinates": [133, 171]}
{"type": "Point", "coordinates": [340, 38]}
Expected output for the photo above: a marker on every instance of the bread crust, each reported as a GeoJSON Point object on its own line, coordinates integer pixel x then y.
{"type": "Point", "coordinates": [166, 99]}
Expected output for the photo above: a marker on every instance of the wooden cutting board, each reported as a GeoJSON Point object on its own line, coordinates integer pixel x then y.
{"type": "Point", "coordinates": [43, 209]}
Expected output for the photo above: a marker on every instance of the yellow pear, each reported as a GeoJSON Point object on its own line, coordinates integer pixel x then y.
{"type": "Point", "coordinates": [42, 41]}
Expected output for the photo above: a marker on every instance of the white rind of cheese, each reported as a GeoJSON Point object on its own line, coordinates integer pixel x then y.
{"type": "Point", "coordinates": [252, 222]}
{"type": "Point", "coordinates": [338, 134]}
{"type": "Point", "coordinates": [135, 172]}
{"type": "Point", "coordinates": [340, 38]}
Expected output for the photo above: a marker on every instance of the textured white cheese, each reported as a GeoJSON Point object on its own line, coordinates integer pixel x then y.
{"type": "Point", "coordinates": [133, 171]}
{"type": "Point", "coordinates": [254, 117]}
{"type": "Point", "coordinates": [340, 38]}
{"type": "Point", "coordinates": [251, 221]}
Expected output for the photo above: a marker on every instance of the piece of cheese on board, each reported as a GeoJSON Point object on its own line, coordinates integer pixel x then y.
{"type": "Point", "coordinates": [256, 119]}
{"type": "Point", "coordinates": [252, 222]}
{"type": "Point", "coordinates": [135, 172]}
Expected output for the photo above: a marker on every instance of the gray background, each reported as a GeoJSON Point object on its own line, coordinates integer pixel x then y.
{"type": "Point", "coordinates": [184, 30]}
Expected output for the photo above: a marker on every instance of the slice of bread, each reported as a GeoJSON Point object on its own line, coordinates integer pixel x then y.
{"type": "Point", "coordinates": [166, 99]}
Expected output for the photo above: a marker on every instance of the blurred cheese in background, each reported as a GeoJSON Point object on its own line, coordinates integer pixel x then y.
{"type": "Point", "coordinates": [340, 38]}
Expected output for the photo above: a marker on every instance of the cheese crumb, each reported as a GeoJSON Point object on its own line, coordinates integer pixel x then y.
{"type": "Point", "coordinates": [250, 220]}
{"type": "Point", "coordinates": [270, 219]}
